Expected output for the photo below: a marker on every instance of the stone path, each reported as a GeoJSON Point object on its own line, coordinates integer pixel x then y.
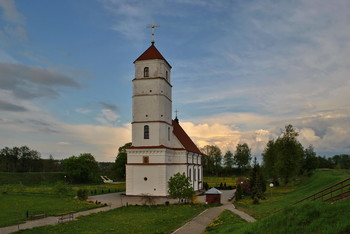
{"type": "Point", "coordinates": [115, 200]}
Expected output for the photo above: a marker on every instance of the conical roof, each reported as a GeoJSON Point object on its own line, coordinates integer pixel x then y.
{"type": "Point", "coordinates": [213, 191]}
{"type": "Point", "coordinates": [151, 53]}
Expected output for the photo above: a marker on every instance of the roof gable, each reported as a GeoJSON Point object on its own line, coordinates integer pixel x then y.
{"type": "Point", "coordinates": [151, 53]}
{"type": "Point", "coordinates": [184, 139]}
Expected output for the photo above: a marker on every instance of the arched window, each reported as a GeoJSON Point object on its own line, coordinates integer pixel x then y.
{"type": "Point", "coordinates": [146, 72]}
{"type": "Point", "coordinates": [146, 132]}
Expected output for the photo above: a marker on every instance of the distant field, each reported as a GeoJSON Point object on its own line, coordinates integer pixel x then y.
{"type": "Point", "coordinates": [31, 178]}
{"type": "Point", "coordinates": [132, 219]}
{"type": "Point", "coordinates": [93, 189]}
{"type": "Point", "coordinates": [215, 181]}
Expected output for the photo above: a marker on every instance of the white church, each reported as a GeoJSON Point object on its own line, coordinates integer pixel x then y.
{"type": "Point", "coordinates": [160, 147]}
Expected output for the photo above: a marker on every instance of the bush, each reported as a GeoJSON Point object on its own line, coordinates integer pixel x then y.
{"type": "Point", "coordinates": [62, 189]}
{"type": "Point", "coordinates": [239, 192]}
{"type": "Point", "coordinates": [82, 194]}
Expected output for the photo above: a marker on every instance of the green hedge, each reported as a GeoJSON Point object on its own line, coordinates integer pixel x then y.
{"type": "Point", "coordinates": [31, 178]}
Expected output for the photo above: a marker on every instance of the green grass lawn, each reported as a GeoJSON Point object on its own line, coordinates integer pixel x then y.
{"type": "Point", "coordinates": [17, 199]}
{"type": "Point", "coordinates": [227, 222]}
{"type": "Point", "coordinates": [13, 207]}
{"type": "Point", "coordinates": [283, 196]}
{"type": "Point", "coordinates": [132, 219]}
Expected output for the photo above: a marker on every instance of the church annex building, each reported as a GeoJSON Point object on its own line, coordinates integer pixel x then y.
{"type": "Point", "coordinates": [160, 147]}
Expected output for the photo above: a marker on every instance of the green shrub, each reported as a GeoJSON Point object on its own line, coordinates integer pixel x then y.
{"type": "Point", "coordinates": [62, 189]}
{"type": "Point", "coordinates": [82, 194]}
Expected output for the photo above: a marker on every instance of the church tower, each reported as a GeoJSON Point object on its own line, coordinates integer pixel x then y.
{"type": "Point", "coordinates": [160, 147]}
{"type": "Point", "coordinates": [151, 100]}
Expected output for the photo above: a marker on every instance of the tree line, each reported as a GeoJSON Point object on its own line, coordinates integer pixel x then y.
{"type": "Point", "coordinates": [24, 159]}
{"type": "Point", "coordinates": [283, 158]}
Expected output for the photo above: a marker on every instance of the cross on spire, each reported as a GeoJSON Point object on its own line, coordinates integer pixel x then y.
{"type": "Point", "coordinates": [176, 111]}
{"type": "Point", "coordinates": [152, 27]}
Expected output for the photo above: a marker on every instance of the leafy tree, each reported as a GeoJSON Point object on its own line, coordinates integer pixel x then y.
{"type": "Point", "coordinates": [211, 160]}
{"type": "Point", "coordinates": [242, 156]}
{"type": "Point", "coordinates": [323, 162]}
{"type": "Point", "coordinates": [179, 187]}
{"type": "Point", "coordinates": [270, 158]}
{"type": "Point", "coordinates": [291, 154]}
{"type": "Point", "coordinates": [257, 183]}
{"type": "Point", "coordinates": [81, 169]}
{"type": "Point", "coordinates": [310, 160]}
{"type": "Point", "coordinates": [341, 161]}
{"type": "Point", "coordinates": [121, 160]}
{"type": "Point", "coordinates": [228, 160]}
{"type": "Point", "coordinates": [239, 192]}
{"type": "Point", "coordinates": [20, 159]}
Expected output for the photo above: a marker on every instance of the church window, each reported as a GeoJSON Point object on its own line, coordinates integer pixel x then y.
{"type": "Point", "coordinates": [146, 132]}
{"type": "Point", "coordinates": [166, 75]}
{"type": "Point", "coordinates": [146, 72]}
{"type": "Point", "coordinates": [145, 159]}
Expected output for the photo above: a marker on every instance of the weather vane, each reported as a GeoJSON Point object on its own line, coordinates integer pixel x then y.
{"type": "Point", "coordinates": [152, 27]}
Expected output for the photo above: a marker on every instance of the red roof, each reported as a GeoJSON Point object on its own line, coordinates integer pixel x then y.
{"type": "Point", "coordinates": [184, 139]}
{"type": "Point", "coordinates": [151, 53]}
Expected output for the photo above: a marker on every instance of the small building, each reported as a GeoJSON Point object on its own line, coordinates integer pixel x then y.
{"type": "Point", "coordinates": [213, 196]}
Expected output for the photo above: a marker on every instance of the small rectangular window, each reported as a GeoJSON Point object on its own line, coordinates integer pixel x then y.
{"type": "Point", "coordinates": [145, 159]}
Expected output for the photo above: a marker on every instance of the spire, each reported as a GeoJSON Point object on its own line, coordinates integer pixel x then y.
{"type": "Point", "coordinates": [176, 119]}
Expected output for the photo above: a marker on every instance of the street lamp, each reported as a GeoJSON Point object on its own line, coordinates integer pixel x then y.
{"type": "Point", "coordinates": [271, 186]}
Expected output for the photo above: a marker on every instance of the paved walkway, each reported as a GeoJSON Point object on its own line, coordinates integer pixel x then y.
{"type": "Point", "coordinates": [201, 221]}
{"type": "Point", "coordinates": [115, 200]}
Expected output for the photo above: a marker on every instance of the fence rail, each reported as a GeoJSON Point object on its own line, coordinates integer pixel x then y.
{"type": "Point", "coordinates": [338, 191]}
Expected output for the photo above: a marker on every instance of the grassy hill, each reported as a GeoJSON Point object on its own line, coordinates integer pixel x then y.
{"type": "Point", "coordinates": [285, 195]}
{"type": "Point", "coordinates": [277, 215]}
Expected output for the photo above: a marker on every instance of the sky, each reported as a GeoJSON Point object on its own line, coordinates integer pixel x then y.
{"type": "Point", "coordinates": [242, 70]}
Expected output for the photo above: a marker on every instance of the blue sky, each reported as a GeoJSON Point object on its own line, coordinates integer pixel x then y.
{"type": "Point", "coordinates": [242, 70]}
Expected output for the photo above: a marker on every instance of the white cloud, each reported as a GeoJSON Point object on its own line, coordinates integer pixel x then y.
{"type": "Point", "coordinates": [15, 27]}
{"type": "Point", "coordinates": [10, 13]}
